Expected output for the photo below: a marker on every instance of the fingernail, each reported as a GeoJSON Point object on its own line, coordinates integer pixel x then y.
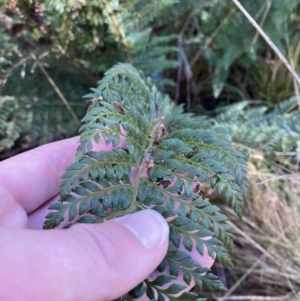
{"type": "Point", "coordinates": [148, 226]}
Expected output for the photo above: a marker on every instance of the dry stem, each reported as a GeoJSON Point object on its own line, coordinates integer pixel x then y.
{"type": "Point", "coordinates": [268, 40]}
{"type": "Point", "coordinates": [56, 89]}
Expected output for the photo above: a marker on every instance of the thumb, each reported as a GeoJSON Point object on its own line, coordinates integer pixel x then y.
{"type": "Point", "coordinates": [86, 262]}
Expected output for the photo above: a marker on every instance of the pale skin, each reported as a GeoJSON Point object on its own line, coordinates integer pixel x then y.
{"type": "Point", "coordinates": [86, 262]}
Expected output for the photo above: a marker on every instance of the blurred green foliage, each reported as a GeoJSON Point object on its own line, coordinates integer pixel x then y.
{"type": "Point", "coordinates": [202, 53]}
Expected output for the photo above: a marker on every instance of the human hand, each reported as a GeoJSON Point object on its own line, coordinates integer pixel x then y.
{"type": "Point", "coordinates": [86, 262]}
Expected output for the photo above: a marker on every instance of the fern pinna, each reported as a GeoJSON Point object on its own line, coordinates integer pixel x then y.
{"type": "Point", "coordinates": [154, 156]}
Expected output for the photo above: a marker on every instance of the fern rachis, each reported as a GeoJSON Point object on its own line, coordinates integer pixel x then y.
{"type": "Point", "coordinates": [151, 160]}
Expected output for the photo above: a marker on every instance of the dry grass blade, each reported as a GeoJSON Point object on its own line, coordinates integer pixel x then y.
{"type": "Point", "coordinates": [267, 4]}
{"type": "Point", "coordinates": [256, 298]}
{"type": "Point", "coordinates": [268, 40]}
{"type": "Point", "coordinates": [213, 35]}
{"type": "Point", "coordinates": [267, 252]}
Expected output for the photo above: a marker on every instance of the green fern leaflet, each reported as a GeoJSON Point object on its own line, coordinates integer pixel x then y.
{"type": "Point", "coordinates": [155, 157]}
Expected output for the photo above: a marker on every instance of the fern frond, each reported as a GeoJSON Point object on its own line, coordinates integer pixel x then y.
{"type": "Point", "coordinates": [152, 161]}
{"type": "Point", "coordinates": [276, 131]}
{"type": "Point", "coordinates": [230, 112]}
{"type": "Point", "coordinates": [131, 24]}
{"type": "Point", "coordinates": [284, 107]}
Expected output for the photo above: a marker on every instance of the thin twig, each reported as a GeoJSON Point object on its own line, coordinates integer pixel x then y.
{"type": "Point", "coordinates": [285, 153]}
{"type": "Point", "coordinates": [22, 61]}
{"type": "Point", "coordinates": [183, 62]}
{"type": "Point", "coordinates": [292, 288]}
{"type": "Point", "coordinates": [185, 25]}
{"type": "Point", "coordinates": [186, 68]}
{"type": "Point", "coordinates": [237, 283]}
{"type": "Point", "coordinates": [269, 4]}
{"type": "Point", "coordinates": [214, 34]}
{"type": "Point", "coordinates": [119, 30]}
{"type": "Point", "coordinates": [256, 298]}
{"type": "Point", "coordinates": [243, 94]}
{"type": "Point", "coordinates": [267, 254]}
{"type": "Point", "coordinates": [255, 244]}
{"type": "Point", "coordinates": [179, 76]}
{"type": "Point", "coordinates": [268, 40]}
{"type": "Point", "coordinates": [56, 89]}
{"type": "Point", "coordinates": [279, 177]}
{"type": "Point", "coordinates": [294, 63]}
{"type": "Point", "coordinates": [93, 79]}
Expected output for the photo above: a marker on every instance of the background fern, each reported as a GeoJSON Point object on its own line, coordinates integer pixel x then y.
{"type": "Point", "coordinates": [256, 128]}
{"type": "Point", "coordinates": [77, 41]}
{"type": "Point", "coordinates": [155, 162]}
